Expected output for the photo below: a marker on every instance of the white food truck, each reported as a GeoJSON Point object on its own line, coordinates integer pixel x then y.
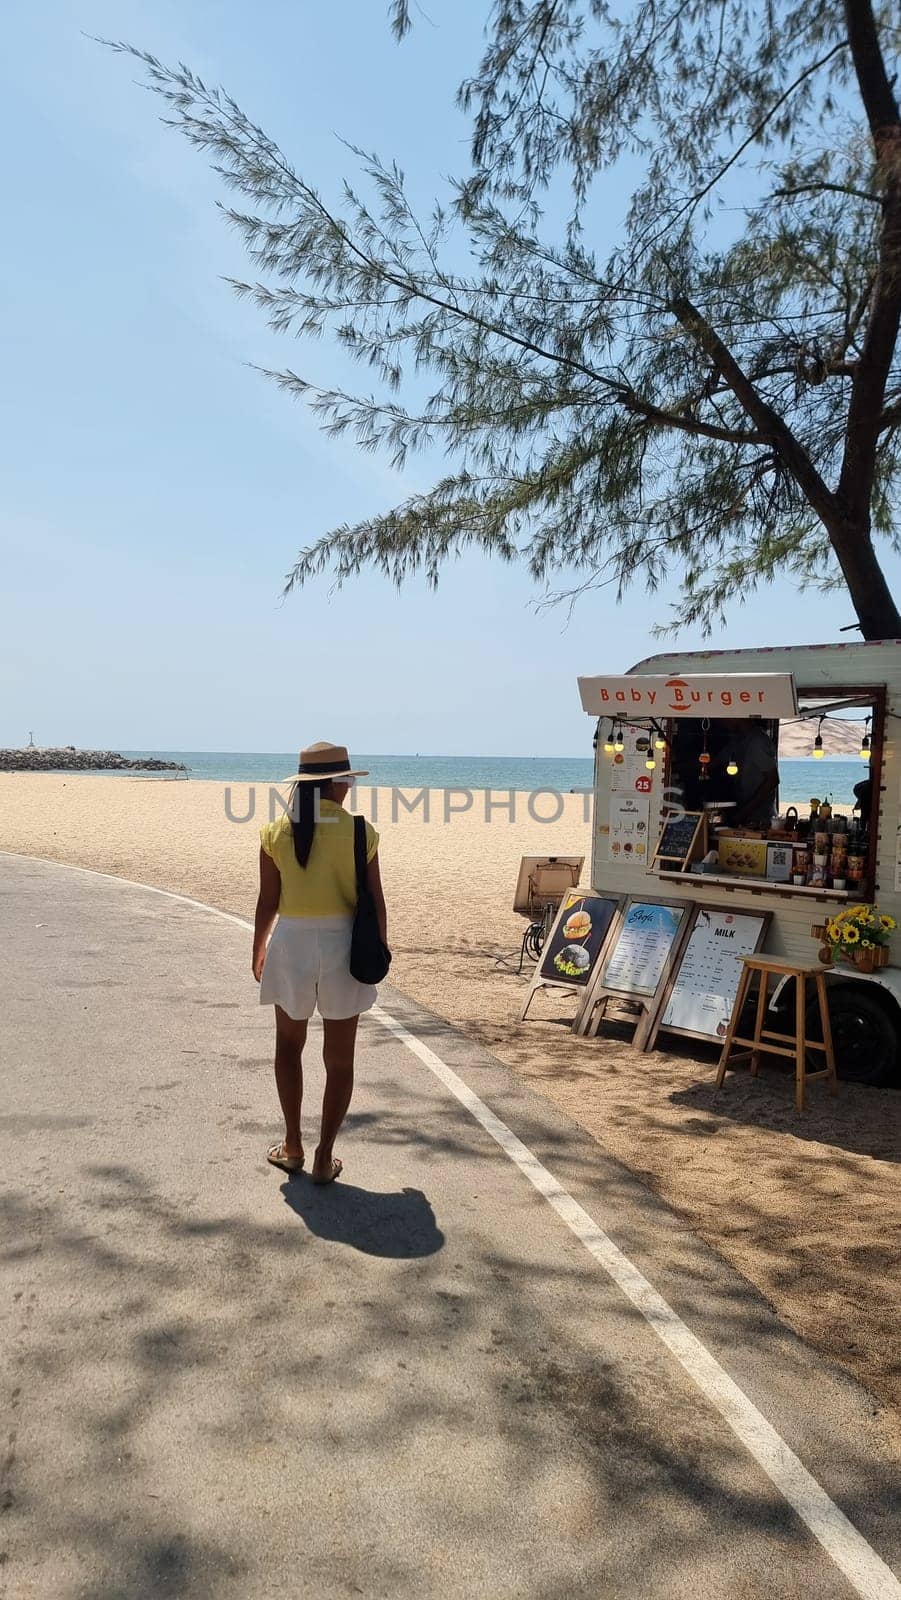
{"type": "Point", "coordinates": [681, 743]}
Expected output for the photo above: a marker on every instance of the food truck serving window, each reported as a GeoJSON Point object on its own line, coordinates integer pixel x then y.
{"type": "Point", "coordinates": [736, 772]}
{"type": "Point", "coordinates": [722, 744]}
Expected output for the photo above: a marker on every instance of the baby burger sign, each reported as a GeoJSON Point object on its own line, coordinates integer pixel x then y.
{"type": "Point", "coordinates": [734, 694]}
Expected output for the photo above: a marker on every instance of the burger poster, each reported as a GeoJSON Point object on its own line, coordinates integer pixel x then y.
{"type": "Point", "coordinates": [577, 938]}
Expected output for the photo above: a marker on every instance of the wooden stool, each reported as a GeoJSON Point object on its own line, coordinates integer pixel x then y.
{"type": "Point", "coordinates": [788, 1044]}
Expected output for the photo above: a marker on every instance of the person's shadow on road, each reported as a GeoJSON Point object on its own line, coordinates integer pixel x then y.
{"type": "Point", "coordinates": [398, 1225]}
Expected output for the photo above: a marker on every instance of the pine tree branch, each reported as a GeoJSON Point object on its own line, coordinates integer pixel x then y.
{"type": "Point", "coordinates": [691, 204]}
{"type": "Point", "coordinates": [769, 423]}
{"type": "Point", "coordinates": [827, 188]}
{"type": "Point", "coordinates": [634, 403]}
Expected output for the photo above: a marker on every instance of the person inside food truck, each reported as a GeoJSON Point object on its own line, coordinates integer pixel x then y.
{"type": "Point", "coordinates": [863, 801]}
{"type": "Point", "coordinates": [755, 786]}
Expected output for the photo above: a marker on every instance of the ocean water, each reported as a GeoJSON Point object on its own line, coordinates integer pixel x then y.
{"type": "Point", "coordinates": [800, 779]}
{"type": "Point", "coordinates": [394, 772]}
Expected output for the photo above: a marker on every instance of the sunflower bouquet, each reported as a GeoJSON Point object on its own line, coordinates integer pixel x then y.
{"type": "Point", "coordinates": [861, 934]}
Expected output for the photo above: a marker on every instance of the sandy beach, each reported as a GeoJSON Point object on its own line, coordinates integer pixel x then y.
{"type": "Point", "coordinates": [808, 1209]}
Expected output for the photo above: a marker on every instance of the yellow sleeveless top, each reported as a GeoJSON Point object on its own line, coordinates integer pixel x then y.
{"type": "Point", "coordinates": [327, 885]}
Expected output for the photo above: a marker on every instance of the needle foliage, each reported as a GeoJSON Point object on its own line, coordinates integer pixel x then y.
{"type": "Point", "coordinates": [701, 387]}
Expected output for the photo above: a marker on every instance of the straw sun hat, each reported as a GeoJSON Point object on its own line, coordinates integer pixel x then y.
{"type": "Point", "coordinates": [322, 761]}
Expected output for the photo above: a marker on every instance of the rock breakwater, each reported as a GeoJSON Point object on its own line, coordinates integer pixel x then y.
{"type": "Point", "coordinates": [71, 760]}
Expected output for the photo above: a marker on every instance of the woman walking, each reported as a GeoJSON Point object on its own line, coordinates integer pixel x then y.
{"type": "Point", "coordinates": [308, 882]}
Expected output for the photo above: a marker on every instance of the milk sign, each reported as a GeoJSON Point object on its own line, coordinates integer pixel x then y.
{"type": "Point", "coordinates": [734, 694]}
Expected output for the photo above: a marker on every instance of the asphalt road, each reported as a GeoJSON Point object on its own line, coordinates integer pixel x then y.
{"type": "Point", "coordinates": [224, 1384]}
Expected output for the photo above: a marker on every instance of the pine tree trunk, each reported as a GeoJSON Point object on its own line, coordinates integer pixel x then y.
{"type": "Point", "coordinates": [871, 597]}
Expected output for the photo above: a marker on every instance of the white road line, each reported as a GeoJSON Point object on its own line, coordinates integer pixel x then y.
{"type": "Point", "coordinates": [868, 1574]}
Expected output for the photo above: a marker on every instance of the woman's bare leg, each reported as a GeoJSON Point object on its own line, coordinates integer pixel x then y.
{"type": "Point", "coordinates": [290, 1038]}
{"type": "Point", "coordinates": [339, 1040]}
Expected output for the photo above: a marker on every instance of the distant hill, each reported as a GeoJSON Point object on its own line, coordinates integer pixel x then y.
{"type": "Point", "coordinates": [840, 738]}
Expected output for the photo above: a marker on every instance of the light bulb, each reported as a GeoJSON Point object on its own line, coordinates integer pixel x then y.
{"type": "Point", "coordinates": [608, 746]}
{"type": "Point", "coordinates": [818, 752]}
{"type": "Point", "coordinates": [618, 743]}
{"type": "Point", "coordinates": [865, 751]}
{"type": "Point", "coordinates": [650, 763]}
{"type": "Point", "coordinates": [660, 742]}
{"type": "Point", "coordinates": [732, 767]}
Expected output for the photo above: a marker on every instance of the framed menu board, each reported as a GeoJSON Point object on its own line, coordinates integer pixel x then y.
{"type": "Point", "coordinates": [577, 939]}
{"type": "Point", "coordinates": [638, 964]}
{"type": "Point", "coordinates": [699, 997]}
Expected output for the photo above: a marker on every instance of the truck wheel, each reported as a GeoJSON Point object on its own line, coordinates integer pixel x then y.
{"type": "Point", "coordinates": [864, 1035]}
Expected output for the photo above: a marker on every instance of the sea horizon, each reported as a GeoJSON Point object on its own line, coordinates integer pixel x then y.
{"type": "Point", "coordinates": [801, 777]}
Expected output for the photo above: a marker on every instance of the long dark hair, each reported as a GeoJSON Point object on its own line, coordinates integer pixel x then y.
{"type": "Point", "coordinates": [304, 811]}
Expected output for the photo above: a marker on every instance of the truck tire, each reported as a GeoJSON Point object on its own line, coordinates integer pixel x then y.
{"type": "Point", "coordinates": [864, 1034]}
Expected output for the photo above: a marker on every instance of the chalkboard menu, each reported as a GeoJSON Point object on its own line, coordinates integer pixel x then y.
{"type": "Point", "coordinates": [700, 997]}
{"type": "Point", "coordinates": [682, 837]}
{"type": "Point", "coordinates": [576, 941]}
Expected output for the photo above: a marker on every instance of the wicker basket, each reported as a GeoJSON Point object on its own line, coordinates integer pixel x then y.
{"type": "Point", "coordinates": [869, 960]}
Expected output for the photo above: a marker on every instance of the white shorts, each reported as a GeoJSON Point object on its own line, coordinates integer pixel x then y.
{"type": "Point", "coordinates": [307, 967]}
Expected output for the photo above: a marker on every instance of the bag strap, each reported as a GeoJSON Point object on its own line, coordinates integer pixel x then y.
{"type": "Point", "coordinates": [360, 855]}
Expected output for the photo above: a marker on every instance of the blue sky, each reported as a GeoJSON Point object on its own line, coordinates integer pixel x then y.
{"type": "Point", "coordinates": [156, 489]}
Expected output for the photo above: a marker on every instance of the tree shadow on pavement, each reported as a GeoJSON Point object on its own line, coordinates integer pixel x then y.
{"type": "Point", "coordinates": [399, 1225]}
{"type": "Point", "coordinates": [458, 1422]}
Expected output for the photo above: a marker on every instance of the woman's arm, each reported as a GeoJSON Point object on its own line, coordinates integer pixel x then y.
{"type": "Point", "coordinates": [267, 910]}
{"type": "Point", "coordinates": [374, 880]}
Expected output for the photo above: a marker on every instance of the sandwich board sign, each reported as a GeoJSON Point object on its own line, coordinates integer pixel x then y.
{"type": "Point", "coordinates": [577, 939]}
{"type": "Point", "coordinates": [698, 1000]}
{"type": "Point", "coordinates": [637, 965]}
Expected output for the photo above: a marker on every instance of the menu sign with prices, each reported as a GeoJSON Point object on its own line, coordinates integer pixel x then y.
{"type": "Point", "coordinates": [645, 942]}
{"type": "Point", "coordinates": [704, 986]}
{"type": "Point", "coordinates": [630, 800]}
{"type": "Point", "coordinates": [632, 978]}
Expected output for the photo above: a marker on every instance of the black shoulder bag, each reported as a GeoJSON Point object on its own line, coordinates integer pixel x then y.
{"type": "Point", "coordinates": [369, 957]}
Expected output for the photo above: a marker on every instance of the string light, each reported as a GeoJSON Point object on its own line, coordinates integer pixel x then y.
{"type": "Point", "coordinates": [650, 763]}
{"type": "Point", "coordinates": [704, 757]}
{"type": "Point", "coordinates": [619, 743]}
{"type": "Point", "coordinates": [732, 767]}
{"type": "Point", "coordinates": [865, 750]}
{"type": "Point", "coordinates": [818, 752]}
{"type": "Point", "coordinates": [608, 742]}
{"type": "Point", "coordinates": [660, 742]}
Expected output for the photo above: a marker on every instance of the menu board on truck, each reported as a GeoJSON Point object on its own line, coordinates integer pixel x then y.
{"type": "Point", "coordinates": [630, 800]}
